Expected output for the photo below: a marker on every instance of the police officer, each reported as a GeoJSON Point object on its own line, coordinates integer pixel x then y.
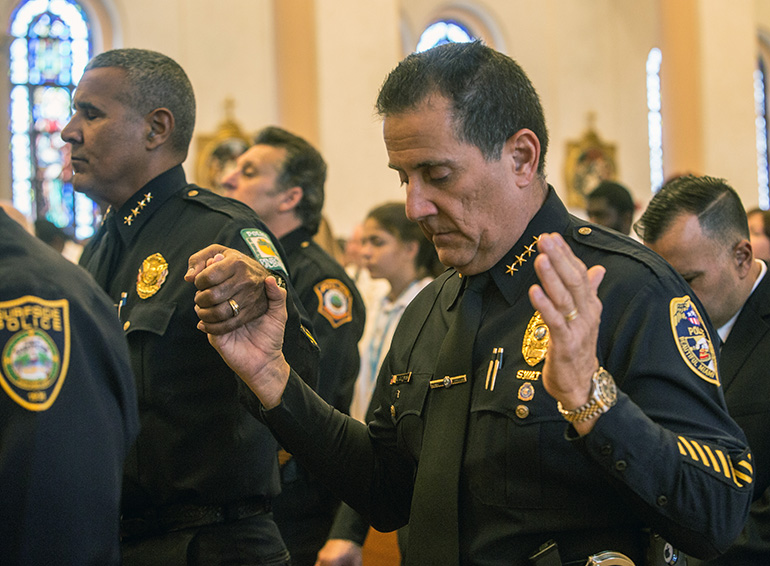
{"type": "Point", "coordinates": [67, 408]}
{"type": "Point", "coordinates": [586, 411]}
{"type": "Point", "coordinates": [281, 177]}
{"type": "Point", "coordinates": [198, 485]}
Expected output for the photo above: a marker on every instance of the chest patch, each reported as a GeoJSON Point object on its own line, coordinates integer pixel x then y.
{"type": "Point", "coordinates": [152, 274]}
{"type": "Point", "coordinates": [334, 301]}
{"type": "Point", "coordinates": [35, 342]}
{"type": "Point", "coordinates": [692, 339]}
{"type": "Point", "coordinates": [263, 250]}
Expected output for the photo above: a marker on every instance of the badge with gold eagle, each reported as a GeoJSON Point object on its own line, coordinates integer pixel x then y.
{"type": "Point", "coordinates": [152, 274]}
{"type": "Point", "coordinates": [35, 345]}
{"type": "Point", "coordinates": [692, 339]}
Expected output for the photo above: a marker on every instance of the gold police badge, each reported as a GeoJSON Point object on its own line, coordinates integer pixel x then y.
{"type": "Point", "coordinates": [151, 276]}
{"type": "Point", "coordinates": [535, 344]}
{"type": "Point", "coordinates": [692, 339]}
{"type": "Point", "coordinates": [35, 342]}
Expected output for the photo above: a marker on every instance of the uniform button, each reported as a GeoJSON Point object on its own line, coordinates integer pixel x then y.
{"type": "Point", "coordinates": [584, 231]}
{"type": "Point", "coordinates": [126, 325]}
{"type": "Point", "coordinates": [522, 411]}
{"type": "Point", "coordinates": [662, 500]}
{"type": "Point", "coordinates": [304, 244]}
{"type": "Point", "coordinates": [393, 411]}
{"type": "Point", "coordinates": [620, 465]}
{"type": "Point", "coordinates": [606, 450]}
{"type": "Point", "coordinates": [192, 193]}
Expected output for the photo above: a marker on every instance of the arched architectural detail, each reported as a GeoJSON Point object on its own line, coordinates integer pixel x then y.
{"type": "Point", "coordinates": [471, 17]}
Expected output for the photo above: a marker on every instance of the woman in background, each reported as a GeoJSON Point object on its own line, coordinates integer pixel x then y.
{"type": "Point", "coordinates": [394, 249]}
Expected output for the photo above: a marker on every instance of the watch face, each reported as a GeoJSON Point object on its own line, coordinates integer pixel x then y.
{"type": "Point", "coordinates": [608, 392]}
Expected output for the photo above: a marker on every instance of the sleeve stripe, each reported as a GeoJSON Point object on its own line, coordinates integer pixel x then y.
{"type": "Point", "coordinates": [725, 466]}
{"type": "Point", "coordinates": [748, 467]}
{"type": "Point", "coordinates": [743, 477]}
{"type": "Point", "coordinates": [693, 455]}
{"type": "Point", "coordinates": [711, 457]}
{"type": "Point", "coordinates": [735, 475]}
{"type": "Point", "coordinates": [701, 454]}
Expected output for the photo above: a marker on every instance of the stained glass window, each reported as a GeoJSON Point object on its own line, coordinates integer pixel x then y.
{"type": "Point", "coordinates": [444, 31]}
{"type": "Point", "coordinates": [760, 107]}
{"type": "Point", "coordinates": [654, 119]}
{"type": "Point", "coordinates": [50, 49]}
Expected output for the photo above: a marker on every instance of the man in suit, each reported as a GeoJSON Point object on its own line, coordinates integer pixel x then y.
{"type": "Point", "coordinates": [699, 226]}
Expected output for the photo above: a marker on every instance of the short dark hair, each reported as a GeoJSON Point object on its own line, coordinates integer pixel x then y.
{"type": "Point", "coordinates": [303, 167]}
{"type": "Point", "coordinates": [616, 194]}
{"type": "Point", "coordinates": [156, 81]}
{"type": "Point", "coordinates": [765, 219]}
{"type": "Point", "coordinates": [716, 204]}
{"type": "Point", "coordinates": [491, 96]}
{"type": "Point", "coordinates": [392, 217]}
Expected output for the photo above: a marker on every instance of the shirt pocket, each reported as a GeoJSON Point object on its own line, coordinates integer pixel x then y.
{"type": "Point", "coordinates": [406, 411]}
{"type": "Point", "coordinates": [516, 453]}
{"type": "Point", "coordinates": [150, 317]}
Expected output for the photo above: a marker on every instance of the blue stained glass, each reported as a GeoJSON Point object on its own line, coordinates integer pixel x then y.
{"type": "Point", "coordinates": [442, 32]}
{"type": "Point", "coordinates": [51, 49]}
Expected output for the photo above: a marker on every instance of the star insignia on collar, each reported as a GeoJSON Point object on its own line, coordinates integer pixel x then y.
{"type": "Point", "coordinates": [521, 259]}
{"type": "Point", "coordinates": [135, 211]}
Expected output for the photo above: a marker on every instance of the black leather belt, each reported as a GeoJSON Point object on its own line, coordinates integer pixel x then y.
{"type": "Point", "coordinates": [171, 518]}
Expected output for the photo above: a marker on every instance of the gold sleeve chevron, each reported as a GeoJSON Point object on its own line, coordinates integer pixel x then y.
{"type": "Point", "coordinates": [739, 471]}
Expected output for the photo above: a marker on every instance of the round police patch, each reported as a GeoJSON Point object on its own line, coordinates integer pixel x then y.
{"type": "Point", "coordinates": [692, 339]}
{"type": "Point", "coordinates": [35, 340]}
{"type": "Point", "coordinates": [334, 301]}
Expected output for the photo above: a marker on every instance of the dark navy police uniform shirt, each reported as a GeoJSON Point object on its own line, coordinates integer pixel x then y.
{"type": "Point", "coordinates": [67, 408]}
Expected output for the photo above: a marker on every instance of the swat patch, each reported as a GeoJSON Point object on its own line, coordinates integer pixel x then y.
{"type": "Point", "coordinates": [335, 301]}
{"type": "Point", "coordinates": [263, 250]}
{"type": "Point", "coordinates": [692, 339]}
{"type": "Point", "coordinates": [35, 339]}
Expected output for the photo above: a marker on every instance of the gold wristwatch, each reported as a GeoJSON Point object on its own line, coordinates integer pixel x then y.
{"type": "Point", "coordinates": [604, 394]}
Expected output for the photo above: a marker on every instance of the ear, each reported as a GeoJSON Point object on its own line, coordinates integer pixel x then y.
{"type": "Point", "coordinates": [523, 151]}
{"type": "Point", "coordinates": [743, 257]}
{"type": "Point", "coordinates": [290, 198]}
{"type": "Point", "coordinates": [160, 124]}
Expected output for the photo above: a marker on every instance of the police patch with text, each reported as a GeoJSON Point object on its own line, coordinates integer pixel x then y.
{"type": "Point", "coordinates": [35, 346]}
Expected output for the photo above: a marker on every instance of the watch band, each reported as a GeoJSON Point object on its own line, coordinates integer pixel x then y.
{"type": "Point", "coordinates": [603, 396]}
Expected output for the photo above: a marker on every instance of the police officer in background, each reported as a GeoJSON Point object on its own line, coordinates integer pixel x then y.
{"type": "Point", "coordinates": [67, 408]}
{"type": "Point", "coordinates": [198, 485]}
{"type": "Point", "coordinates": [585, 412]}
{"type": "Point", "coordinates": [281, 177]}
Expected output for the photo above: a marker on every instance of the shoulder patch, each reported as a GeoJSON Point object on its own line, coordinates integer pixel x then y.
{"type": "Point", "coordinates": [335, 301]}
{"type": "Point", "coordinates": [263, 250]}
{"type": "Point", "coordinates": [35, 342]}
{"type": "Point", "coordinates": [692, 339]}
